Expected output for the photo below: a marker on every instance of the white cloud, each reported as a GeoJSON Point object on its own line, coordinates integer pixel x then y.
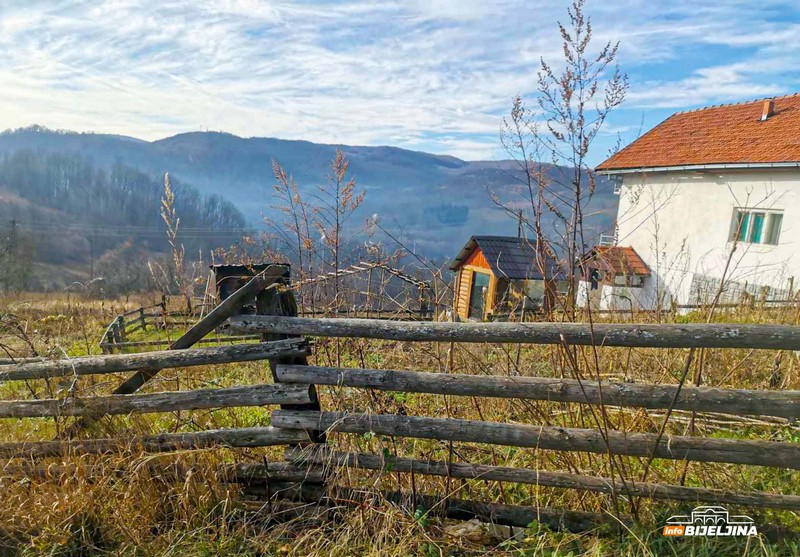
{"type": "Point", "coordinates": [433, 74]}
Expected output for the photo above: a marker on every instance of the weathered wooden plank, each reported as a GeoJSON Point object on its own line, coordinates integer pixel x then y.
{"type": "Point", "coordinates": [165, 442]}
{"type": "Point", "coordinates": [147, 343]}
{"type": "Point", "coordinates": [785, 404]}
{"type": "Point", "coordinates": [274, 302]}
{"type": "Point", "coordinates": [758, 453]}
{"type": "Point", "coordinates": [162, 359]}
{"type": "Point", "coordinates": [699, 335]}
{"type": "Point", "coordinates": [253, 473]}
{"type": "Point", "coordinates": [253, 395]}
{"type": "Point", "coordinates": [323, 456]}
{"type": "Point", "coordinates": [459, 509]}
{"type": "Point", "coordinates": [250, 473]}
{"type": "Point", "coordinates": [17, 361]}
{"type": "Point", "coordinates": [215, 318]}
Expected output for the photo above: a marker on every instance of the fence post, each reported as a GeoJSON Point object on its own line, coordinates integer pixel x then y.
{"type": "Point", "coordinates": [121, 327]}
{"type": "Point", "coordinates": [276, 301]}
{"type": "Point", "coordinates": [142, 318]}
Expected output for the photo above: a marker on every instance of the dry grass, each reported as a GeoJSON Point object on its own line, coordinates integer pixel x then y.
{"type": "Point", "coordinates": [127, 504]}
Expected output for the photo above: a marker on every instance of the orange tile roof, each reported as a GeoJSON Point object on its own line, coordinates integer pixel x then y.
{"type": "Point", "coordinates": [618, 260]}
{"type": "Point", "coordinates": [726, 134]}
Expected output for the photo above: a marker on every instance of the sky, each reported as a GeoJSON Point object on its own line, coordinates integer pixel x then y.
{"type": "Point", "coordinates": [430, 75]}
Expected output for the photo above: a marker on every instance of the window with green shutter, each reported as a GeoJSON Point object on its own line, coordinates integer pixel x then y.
{"type": "Point", "coordinates": [756, 226]}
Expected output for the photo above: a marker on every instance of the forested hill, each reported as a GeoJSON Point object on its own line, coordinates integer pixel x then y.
{"type": "Point", "coordinates": [68, 217]}
{"type": "Point", "coordinates": [434, 203]}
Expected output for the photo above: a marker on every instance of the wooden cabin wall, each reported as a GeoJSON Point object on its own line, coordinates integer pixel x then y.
{"type": "Point", "coordinates": [475, 263]}
{"type": "Point", "coordinates": [463, 287]}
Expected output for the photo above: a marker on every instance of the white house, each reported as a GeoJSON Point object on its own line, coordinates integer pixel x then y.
{"type": "Point", "coordinates": [712, 196]}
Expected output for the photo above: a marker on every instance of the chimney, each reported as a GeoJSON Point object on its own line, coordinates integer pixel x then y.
{"type": "Point", "coordinates": [769, 109]}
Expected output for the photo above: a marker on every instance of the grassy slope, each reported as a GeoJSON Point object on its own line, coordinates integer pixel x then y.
{"type": "Point", "coordinates": [142, 513]}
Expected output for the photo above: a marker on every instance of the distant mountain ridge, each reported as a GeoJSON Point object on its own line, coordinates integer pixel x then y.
{"type": "Point", "coordinates": [433, 201]}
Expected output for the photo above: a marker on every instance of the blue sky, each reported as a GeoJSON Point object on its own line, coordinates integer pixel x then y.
{"type": "Point", "coordinates": [433, 75]}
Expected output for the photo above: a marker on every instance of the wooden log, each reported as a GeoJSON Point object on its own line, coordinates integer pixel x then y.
{"type": "Point", "coordinates": [254, 395]}
{"type": "Point", "coordinates": [21, 360]}
{"type": "Point", "coordinates": [274, 302]}
{"type": "Point", "coordinates": [693, 335]}
{"type": "Point", "coordinates": [674, 447]}
{"type": "Point", "coordinates": [253, 473]}
{"type": "Point", "coordinates": [212, 340]}
{"type": "Point", "coordinates": [216, 317]}
{"type": "Point", "coordinates": [163, 359]}
{"type": "Point", "coordinates": [249, 473]}
{"type": "Point", "coordinates": [123, 335]}
{"type": "Point", "coordinates": [165, 442]}
{"type": "Point", "coordinates": [458, 509]}
{"type": "Point", "coordinates": [785, 404]}
{"type": "Point", "coordinates": [322, 456]}
{"type": "Point", "coordinates": [498, 513]}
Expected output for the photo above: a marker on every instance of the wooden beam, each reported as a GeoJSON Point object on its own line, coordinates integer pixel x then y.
{"type": "Point", "coordinates": [693, 335]}
{"type": "Point", "coordinates": [282, 302]}
{"type": "Point", "coordinates": [785, 404]}
{"type": "Point", "coordinates": [322, 456]}
{"type": "Point", "coordinates": [165, 442]}
{"type": "Point", "coordinates": [165, 342]}
{"type": "Point", "coordinates": [450, 507]}
{"type": "Point", "coordinates": [253, 473]}
{"type": "Point", "coordinates": [17, 361]}
{"type": "Point", "coordinates": [249, 473]}
{"type": "Point", "coordinates": [214, 319]}
{"type": "Point", "coordinates": [757, 453]}
{"type": "Point", "coordinates": [162, 359]}
{"type": "Point", "coordinates": [170, 401]}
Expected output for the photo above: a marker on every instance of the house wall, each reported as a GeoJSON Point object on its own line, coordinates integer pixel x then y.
{"type": "Point", "coordinates": [680, 224]}
{"type": "Point", "coordinates": [611, 297]}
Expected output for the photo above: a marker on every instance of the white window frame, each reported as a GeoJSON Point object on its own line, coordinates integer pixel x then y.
{"type": "Point", "coordinates": [745, 236]}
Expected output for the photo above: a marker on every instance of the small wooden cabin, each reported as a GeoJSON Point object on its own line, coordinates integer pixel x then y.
{"type": "Point", "coordinates": [495, 274]}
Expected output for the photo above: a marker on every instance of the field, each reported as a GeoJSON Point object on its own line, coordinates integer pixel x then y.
{"type": "Point", "coordinates": [135, 504]}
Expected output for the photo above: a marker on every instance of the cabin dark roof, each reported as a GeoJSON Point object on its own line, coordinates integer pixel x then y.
{"type": "Point", "coordinates": [508, 257]}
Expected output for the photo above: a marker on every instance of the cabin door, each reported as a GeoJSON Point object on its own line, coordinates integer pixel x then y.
{"type": "Point", "coordinates": [477, 295]}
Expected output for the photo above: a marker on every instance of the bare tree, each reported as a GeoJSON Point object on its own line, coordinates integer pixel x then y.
{"type": "Point", "coordinates": [575, 101]}
{"type": "Point", "coordinates": [338, 200]}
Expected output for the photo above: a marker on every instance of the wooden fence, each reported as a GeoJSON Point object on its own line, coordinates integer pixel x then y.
{"type": "Point", "coordinates": [738, 402]}
{"type": "Point", "coordinates": [118, 336]}
{"type": "Point", "coordinates": [302, 425]}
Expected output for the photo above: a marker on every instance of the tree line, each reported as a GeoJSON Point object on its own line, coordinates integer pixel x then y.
{"type": "Point", "coordinates": [63, 210]}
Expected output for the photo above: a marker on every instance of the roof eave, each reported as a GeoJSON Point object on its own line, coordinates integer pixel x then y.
{"type": "Point", "coordinates": [690, 167]}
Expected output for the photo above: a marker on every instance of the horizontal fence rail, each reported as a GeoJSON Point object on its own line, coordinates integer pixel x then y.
{"type": "Point", "coordinates": [322, 456]}
{"type": "Point", "coordinates": [165, 442]}
{"type": "Point", "coordinates": [772, 337]}
{"type": "Point", "coordinates": [165, 342]}
{"type": "Point", "coordinates": [674, 447]}
{"type": "Point", "coordinates": [450, 507]}
{"type": "Point", "coordinates": [162, 359]}
{"type": "Point", "coordinates": [785, 404]}
{"type": "Point", "coordinates": [255, 395]}
{"type": "Point", "coordinates": [251, 473]}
